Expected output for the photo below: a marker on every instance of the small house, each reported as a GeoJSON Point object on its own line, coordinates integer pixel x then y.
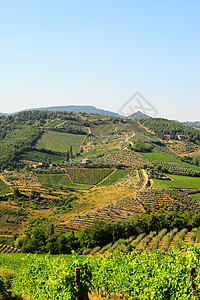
{"type": "Point", "coordinates": [35, 165]}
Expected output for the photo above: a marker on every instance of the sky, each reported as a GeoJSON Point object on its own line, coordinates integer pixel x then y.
{"type": "Point", "coordinates": [101, 53]}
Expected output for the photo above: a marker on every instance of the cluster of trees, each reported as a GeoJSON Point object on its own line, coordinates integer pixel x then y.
{"type": "Point", "coordinates": [194, 160]}
{"type": "Point", "coordinates": [102, 233]}
{"type": "Point", "coordinates": [139, 146]}
{"type": "Point", "coordinates": [164, 127]}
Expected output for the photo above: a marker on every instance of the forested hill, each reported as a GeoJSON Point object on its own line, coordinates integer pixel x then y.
{"type": "Point", "coordinates": [163, 127]}
{"type": "Point", "coordinates": [19, 132]}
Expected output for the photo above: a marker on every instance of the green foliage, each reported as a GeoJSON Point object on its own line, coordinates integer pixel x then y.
{"type": "Point", "coordinates": [54, 179]}
{"type": "Point", "coordinates": [180, 237]}
{"type": "Point", "coordinates": [4, 187]}
{"type": "Point", "coordinates": [53, 123]}
{"type": "Point", "coordinates": [178, 182]}
{"type": "Point", "coordinates": [141, 147]}
{"type": "Point", "coordinates": [60, 180]}
{"type": "Point", "coordinates": [147, 276]}
{"type": "Point", "coordinates": [3, 287]}
{"type": "Point", "coordinates": [87, 176]}
{"type": "Point", "coordinates": [114, 177]}
{"type": "Point", "coordinates": [59, 141]}
{"type": "Point", "coordinates": [159, 157]}
{"type": "Point", "coordinates": [196, 196]}
{"type": "Point", "coordinates": [193, 236]}
{"type": "Point", "coordinates": [52, 278]}
{"type": "Point", "coordinates": [42, 156]}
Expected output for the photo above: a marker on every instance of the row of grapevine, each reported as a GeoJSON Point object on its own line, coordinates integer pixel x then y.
{"type": "Point", "coordinates": [5, 248]}
{"type": "Point", "coordinates": [152, 242]}
{"type": "Point", "coordinates": [138, 275]}
{"type": "Point", "coordinates": [87, 175]}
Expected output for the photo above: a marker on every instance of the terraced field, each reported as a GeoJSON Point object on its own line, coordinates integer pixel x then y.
{"type": "Point", "coordinates": [163, 200]}
{"type": "Point", "coordinates": [124, 157]}
{"type": "Point", "coordinates": [122, 209]}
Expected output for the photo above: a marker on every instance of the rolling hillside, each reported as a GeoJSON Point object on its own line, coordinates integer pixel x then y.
{"type": "Point", "coordinates": [71, 168]}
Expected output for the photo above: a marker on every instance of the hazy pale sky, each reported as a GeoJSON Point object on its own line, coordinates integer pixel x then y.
{"type": "Point", "coordinates": [60, 52]}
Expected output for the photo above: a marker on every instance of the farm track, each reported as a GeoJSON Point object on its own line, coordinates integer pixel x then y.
{"type": "Point", "coordinates": [81, 143]}
{"type": "Point", "coordinates": [186, 240]}
{"type": "Point", "coordinates": [172, 242]}
{"type": "Point", "coordinates": [150, 243]}
{"type": "Point", "coordinates": [138, 246]}
{"type": "Point", "coordinates": [145, 180]}
{"type": "Point", "coordinates": [162, 241]}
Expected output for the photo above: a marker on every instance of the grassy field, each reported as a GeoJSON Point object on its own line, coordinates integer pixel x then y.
{"type": "Point", "coordinates": [40, 156]}
{"type": "Point", "coordinates": [196, 196]}
{"type": "Point", "coordinates": [60, 180]}
{"type": "Point", "coordinates": [178, 182]}
{"type": "Point", "coordinates": [118, 174]}
{"type": "Point", "coordinates": [163, 157]}
{"type": "Point", "coordinates": [97, 152]}
{"type": "Point", "coordinates": [53, 123]}
{"type": "Point", "coordinates": [59, 141]}
{"type": "Point", "coordinates": [159, 156]}
{"type": "Point", "coordinates": [4, 187]}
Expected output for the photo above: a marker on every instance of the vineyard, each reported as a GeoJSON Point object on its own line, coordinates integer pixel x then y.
{"type": "Point", "coordinates": [134, 276]}
{"type": "Point", "coordinates": [82, 176]}
{"type": "Point", "coordinates": [87, 175]}
{"type": "Point", "coordinates": [59, 141]}
{"type": "Point", "coordinates": [152, 242]}
{"type": "Point", "coordinates": [4, 248]}
{"type": "Point", "coordinates": [126, 176]}
{"type": "Point", "coordinates": [39, 156]}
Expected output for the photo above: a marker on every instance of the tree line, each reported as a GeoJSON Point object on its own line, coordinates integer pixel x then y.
{"type": "Point", "coordinates": [101, 233]}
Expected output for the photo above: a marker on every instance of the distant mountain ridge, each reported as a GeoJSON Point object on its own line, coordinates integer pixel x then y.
{"type": "Point", "coordinates": [92, 109]}
{"type": "Point", "coordinates": [82, 108]}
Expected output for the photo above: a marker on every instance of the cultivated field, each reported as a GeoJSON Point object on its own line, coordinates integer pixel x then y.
{"type": "Point", "coordinates": [178, 181]}
{"type": "Point", "coordinates": [59, 141]}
